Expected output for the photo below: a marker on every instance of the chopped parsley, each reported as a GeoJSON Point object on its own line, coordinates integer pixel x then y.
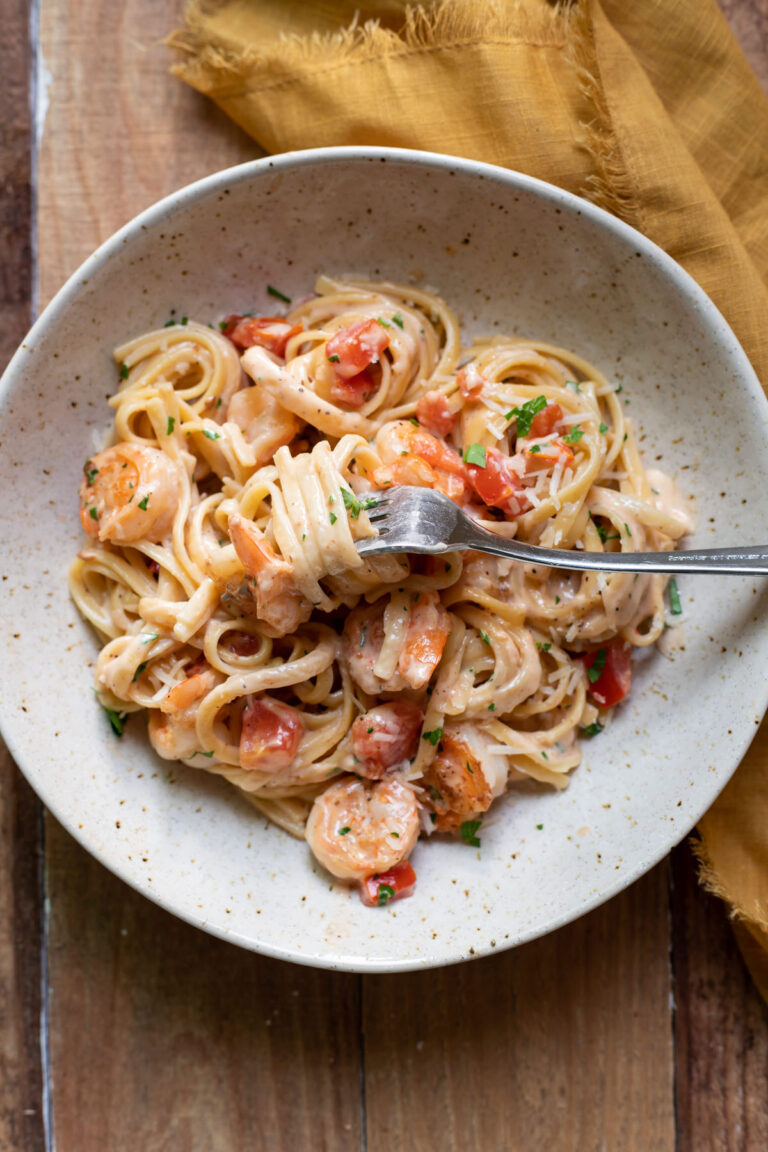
{"type": "Point", "coordinates": [415, 422]}
{"type": "Point", "coordinates": [574, 435]}
{"type": "Point", "coordinates": [333, 517]}
{"type": "Point", "coordinates": [491, 707]}
{"type": "Point", "coordinates": [384, 323]}
{"type": "Point", "coordinates": [355, 506]}
{"type": "Point", "coordinates": [223, 325]}
{"type": "Point", "coordinates": [386, 892]}
{"type": "Point", "coordinates": [539, 827]}
{"type": "Point", "coordinates": [604, 534]}
{"type": "Point", "coordinates": [123, 371]}
{"type": "Point", "coordinates": [603, 428]}
{"type": "Point", "coordinates": [469, 830]}
{"type": "Point", "coordinates": [475, 454]}
{"type": "Point", "coordinates": [144, 501]}
{"type": "Point", "coordinates": [675, 606]}
{"type": "Point", "coordinates": [619, 389]}
{"type": "Point", "coordinates": [148, 637]}
{"type": "Point", "coordinates": [626, 529]}
{"type": "Point", "coordinates": [334, 358]}
{"type": "Point", "coordinates": [396, 835]}
{"type": "Point", "coordinates": [433, 736]}
{"type": "Point", "coordinates": [171, 324]}
{"type": "Point", "coordinates": [91, 473]}
{"type": "Point", "coordinates": [277, 294]}
{"type": "Point", "coordinates": [185, 320]}
{"type": "Point", "coordinates": [211, 435]}
{"type": "Point", "coordinates": [94, 515]}
{"type": "Point", "coordinates": [116, 720]}
{"type": "Point", "coordinates": [573, 385]}
{"type": "Point", "coordinates": [485, 638]}
{"type": "Point", "coordinates": [534, 449]}
{"type": "Point", "coordinates": [138, 671]}
{"type": "Point", "coordinates": [170, 425]}
{"type": "Point", "coordinates": [343, 831]}
{"type": "Point", "coordinates": [397, 319]}
{"type": "Point", "coordinates": [592, 730]}
{"type": "Point", "coordinates": [543, 647]}
{"type": "Point", "coordinates": [525, 414]}
{"type": "Point", "coordinates": [595, 670]}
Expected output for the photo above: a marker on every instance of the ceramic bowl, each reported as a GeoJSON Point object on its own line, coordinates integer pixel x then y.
{"type": "Point", "coordinates": [510, 254]}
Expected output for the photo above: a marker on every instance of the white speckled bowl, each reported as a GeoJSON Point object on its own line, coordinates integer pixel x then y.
{"type": "Point", "coordinates": [509, 254]}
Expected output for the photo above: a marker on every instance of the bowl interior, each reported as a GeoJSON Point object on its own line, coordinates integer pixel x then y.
{"type": "Point", "coordinates": [510, 255]}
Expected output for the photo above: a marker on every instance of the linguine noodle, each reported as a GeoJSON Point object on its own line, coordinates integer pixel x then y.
{"type": "Point", "coordinates": [364, 703]}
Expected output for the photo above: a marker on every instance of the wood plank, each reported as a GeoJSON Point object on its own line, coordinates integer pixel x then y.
{"type": "Point", "coordinates": [565, 1043]}
{"type": "Point", "coordinates": [749, 23]}
{"type": "Point", "coordinates": [164, 1039]}
{"type": "Point", "coordinates": [21, 1092]}
{"type": "Point", "coordinates": [721, 1026]}
{"type": "Point", "coordinates": [21, 1098]}
{"type": "Point", "coordinates": [161, 1037]}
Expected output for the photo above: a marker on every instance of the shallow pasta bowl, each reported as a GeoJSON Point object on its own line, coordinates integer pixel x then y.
{"type": "Point", "coordinates": [510, 254]}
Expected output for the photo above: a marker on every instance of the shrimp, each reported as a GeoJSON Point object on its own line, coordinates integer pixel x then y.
{"type": "Point", "coordinates": [419, 648]}
{"type": "Point", "coordinates": [411, 455]}
{"type": "Point", "coordinates": [464, 778]}
{"type": "Point", "coordinates": [270, 735]}
{"type": "Point", "coordinates": [173, 729]}
{"type": "Point", "coordinates": [130, 492]}
{"type": "Point", "coordinates": [429, 627]}
{"type": "Point", "coordinates": [385, 737]}
{"type": "Point", "coordinates": [265, 424]}
{"type": "Point", "coordinates": [279, 602]}
{"type": "Point", "coordinates": [356, 829]}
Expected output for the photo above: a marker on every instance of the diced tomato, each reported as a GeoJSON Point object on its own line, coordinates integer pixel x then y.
{"type": "Point", "coordinates": [615, 678]}
{"type": "Point", "coordinates": [352, 349]}
{"type": "Point", "coordinates": [270, 735]}
{"type": "Point", "coordinates": [385, 736]}
{"type": "Point", "coordinates": [270, 332]}
{"type": "Point", "coordinates": [497, 484]}
{"type": "Point", "coordinates": [547, 456]}
{"type": "Point", "coordinates": [384, 887]}
{"type": "Point", "coordinates": [544, 422]}
{"type": "Point", "coordinates": [470, 382]}
{"type": "Point", "coordinates": [354, 390]}
{"type": "Point", "coordinates": [434, 412]}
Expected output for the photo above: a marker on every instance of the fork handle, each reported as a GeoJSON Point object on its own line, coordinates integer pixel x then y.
{"type": "Point", "coordinates": [749, 561]}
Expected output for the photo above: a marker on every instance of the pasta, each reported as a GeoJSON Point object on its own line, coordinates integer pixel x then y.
{"type": "Point", "coordinates": [363, 704]}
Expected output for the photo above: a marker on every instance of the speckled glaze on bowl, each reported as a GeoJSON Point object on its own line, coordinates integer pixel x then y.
{"type": "Point", "coordinates": [510, 254]}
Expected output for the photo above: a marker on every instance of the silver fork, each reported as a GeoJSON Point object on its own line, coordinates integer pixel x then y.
{"type": "Point", "coordinates": [422, 520]}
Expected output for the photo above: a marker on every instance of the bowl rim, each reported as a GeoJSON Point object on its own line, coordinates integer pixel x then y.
{"type": "Point", "coordinates": [154, 214]}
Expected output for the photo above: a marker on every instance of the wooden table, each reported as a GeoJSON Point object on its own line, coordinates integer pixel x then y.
{"type": "Point", "coordinates": [122, 1028]}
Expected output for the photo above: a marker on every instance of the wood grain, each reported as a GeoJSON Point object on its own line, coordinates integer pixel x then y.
{"type": "Point", "coordinates": [21, 1119]}
{"type": "Point", "coordinates": [565, 1043]}
{"type": "Point", "coordinates": [161, 1037]}
{"type": "Point", "coordinates": [721, 1030]}
{"type": "Point", "coordinates": [166, 1040]}
{"type": "Point", "coordinates": [749, 23]}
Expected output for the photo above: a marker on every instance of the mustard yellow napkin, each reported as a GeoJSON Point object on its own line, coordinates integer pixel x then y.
{"type": "Point", "coordinates": [649, 110]}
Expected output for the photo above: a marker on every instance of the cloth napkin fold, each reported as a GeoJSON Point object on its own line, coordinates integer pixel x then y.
{"type": "Point", "coordinates": [649, 110]}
